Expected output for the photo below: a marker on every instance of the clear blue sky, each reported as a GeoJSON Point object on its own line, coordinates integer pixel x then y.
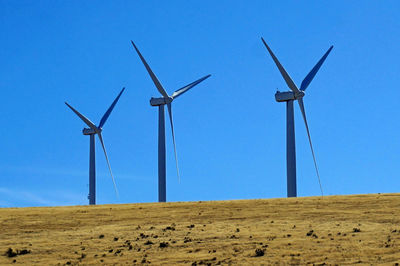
{"type": "Point", "coordinates": [230, 132]}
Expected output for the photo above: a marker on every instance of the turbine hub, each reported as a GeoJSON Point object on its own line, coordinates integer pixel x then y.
{"type": "Point", "coordinates": [300, 94]}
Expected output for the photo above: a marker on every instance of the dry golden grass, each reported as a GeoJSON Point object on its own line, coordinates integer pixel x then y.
{"type": "Point", "coordinates": [333, 230]}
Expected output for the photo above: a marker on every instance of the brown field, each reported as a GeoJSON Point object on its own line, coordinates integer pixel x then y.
{"type": "Point", "coordinates": [331, 230]}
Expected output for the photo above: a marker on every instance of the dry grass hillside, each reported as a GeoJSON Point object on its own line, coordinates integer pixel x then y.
{"type": "Point", "coordinates": [331, 230]}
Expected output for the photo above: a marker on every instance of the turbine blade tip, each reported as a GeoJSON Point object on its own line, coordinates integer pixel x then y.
{"type": "Point", "coordinates": [134, 46]}
{"type": "Point", "coordinates": [262, 39]}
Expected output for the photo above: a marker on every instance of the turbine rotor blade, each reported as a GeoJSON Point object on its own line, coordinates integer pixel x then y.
{"type": "Point", "coordinates": [84, 119]}
{"type": "Point", "coordinates": [284, 74]}
{"type": "Point", "coordinates": [109, 110]}
{"type": "Point", "coordinates": [152, 75]}
{"type": "Point", "coordinates": [188, 87]}
{"type": "Point", "coordinates": [303, 112]}
{"type": "Point", "coordinates": [307, 80]}
{"type": "Point", "coordinates": [173, 138]}
{"type": "Point", "coordinates": [108, 163]}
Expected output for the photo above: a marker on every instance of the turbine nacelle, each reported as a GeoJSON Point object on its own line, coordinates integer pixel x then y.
{"type": "Point", "coordinates": [91, 131]}
{"type": "Point", "coordinates": [288, 95]}
{"type": "Point", "coordinates": [88, 131]}
{"type": "Point", "coordinates": [160, 101]}
{"type": "Point", "coordinates": [284, 96]}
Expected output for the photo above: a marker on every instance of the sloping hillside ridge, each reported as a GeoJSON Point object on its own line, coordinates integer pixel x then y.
{"type": "Point", "coordinates": [311, 230]}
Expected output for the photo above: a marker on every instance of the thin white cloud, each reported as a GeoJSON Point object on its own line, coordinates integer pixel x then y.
{"type": "Point", "coordinates": [4, 204]}
{"type": "Point", "coordinates": [23, 198]}
{"type": "Point", "coordinates": [43, 170]}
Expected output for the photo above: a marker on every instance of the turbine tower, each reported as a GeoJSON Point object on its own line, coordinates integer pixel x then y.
{"type": "Point", "coordinates": [161, 102]}
{"type": "Point", "coordinates": [289, 97]}
{"type": "Point", "coordinates": [92, 131]}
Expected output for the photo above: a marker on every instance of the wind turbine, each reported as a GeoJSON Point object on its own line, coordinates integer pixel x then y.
{"type": "Point", "coordinates": [92, 131]}
{"type": "Point", "coordinates": [289, 97]}
{"type": "Point", "coordinates": [160, 102]}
